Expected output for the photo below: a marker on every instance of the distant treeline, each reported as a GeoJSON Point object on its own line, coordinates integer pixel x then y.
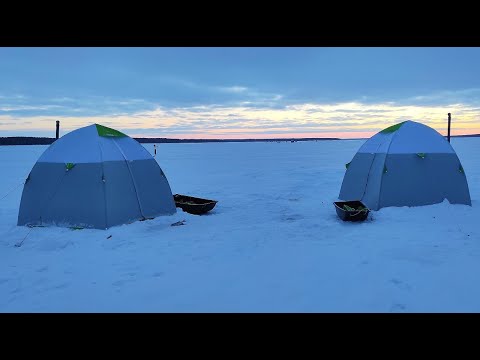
{"type": "Point", "coordinates": [18, 140]}
{"type": "Point", "coordinates": [473, 135]}
{"type": "Point", "coordinates": [21, 140]}
{"type": "Point", "coordinates": [164, 140]}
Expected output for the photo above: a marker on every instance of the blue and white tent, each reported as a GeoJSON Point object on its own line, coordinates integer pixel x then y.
{"type": "Point", "coordinates": [407, 164]}
{"type": "Point", "coordinates": [95, 177]}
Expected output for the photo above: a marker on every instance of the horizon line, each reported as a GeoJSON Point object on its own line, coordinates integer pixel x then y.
{"type": "Point", "coordinates": [232, 139]}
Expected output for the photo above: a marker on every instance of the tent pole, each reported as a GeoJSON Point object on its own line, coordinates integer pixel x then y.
{"type": "Point", "coordinates": [449, 120]}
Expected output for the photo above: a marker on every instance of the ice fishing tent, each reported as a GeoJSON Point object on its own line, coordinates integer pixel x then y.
{"type": "Point", "coordinates": [407, 164]}
{"type": "Point", "coordinates": [94, 177]}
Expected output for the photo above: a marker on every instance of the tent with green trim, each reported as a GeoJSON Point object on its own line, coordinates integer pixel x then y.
{"type": "Point", "coordinates": [95, 177]}
{"type": "Point", "coordinates": [407, 164]}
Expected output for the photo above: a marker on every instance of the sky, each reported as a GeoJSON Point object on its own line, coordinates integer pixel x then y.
{"type": "Point", "coordinates": [224, 93]}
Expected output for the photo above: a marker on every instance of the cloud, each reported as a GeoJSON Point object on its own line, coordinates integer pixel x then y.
{"type": "Point", "coordinates": [8, 108]}
{"type": "Point", "coordinates": [233, 89]}
{"type": "Point", "coordinates": [217, 120]}
{"type": "Point", "coordinates": [63, 99]}
{"type": "Point", "coordinates": [460, 96]}
{"type": "Point", "coordinates": [13, 97]}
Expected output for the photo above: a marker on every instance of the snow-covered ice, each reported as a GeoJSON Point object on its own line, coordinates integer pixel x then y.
{"type": "Point", "coordinates": [273, 243]}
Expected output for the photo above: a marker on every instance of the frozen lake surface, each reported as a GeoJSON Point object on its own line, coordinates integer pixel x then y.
{"type": "Point", "coordinates": [273, 243]}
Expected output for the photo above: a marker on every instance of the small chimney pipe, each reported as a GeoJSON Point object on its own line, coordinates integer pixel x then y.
{"type": "Point", "coordinates": [58, 129]}
{"type": "Point", "coordinates": [449, 121]}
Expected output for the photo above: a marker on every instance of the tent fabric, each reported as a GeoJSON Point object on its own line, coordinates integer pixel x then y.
{"type": "Point", "coordinates": [408, 164]}
{"type": "Point", "coordinates": [86, 179]}
{"type": "Point", "coordinates": [85, 145]}
{"type": "Point", "coordinates": [409, 137]}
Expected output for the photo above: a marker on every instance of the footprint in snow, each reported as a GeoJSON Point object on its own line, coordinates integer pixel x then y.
{"type": "Point", "coordinates": [400, 284]}
{"type": "Point", "coordinates": [120, 282]}
{"type": "Point", "coordinates": [293, 217]}
{"type": "Point", "coordinates": [398, 308]}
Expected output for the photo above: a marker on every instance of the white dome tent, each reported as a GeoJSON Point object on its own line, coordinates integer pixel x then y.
{"type": "Point", "coordinates": [407, 164]}
{"type": "Point", "coordinates": [95, 177]}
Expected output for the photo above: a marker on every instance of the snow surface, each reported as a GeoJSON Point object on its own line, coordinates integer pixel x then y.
{"type": "Point", "coordinates": [273, 243]}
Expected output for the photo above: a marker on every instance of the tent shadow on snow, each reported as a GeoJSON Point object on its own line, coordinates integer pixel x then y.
{"type": "Point", "coordinates": [95, 177]}
{"type": "Point", "coordinates": [407, 164]}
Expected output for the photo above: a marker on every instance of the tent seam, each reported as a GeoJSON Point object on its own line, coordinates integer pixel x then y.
{"type": "Point", "coordinates": [133, 178]}
{"type": "Point", "coordinates": [384, 161]}
{"type": "Point", "coordinates": [103, 182]}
